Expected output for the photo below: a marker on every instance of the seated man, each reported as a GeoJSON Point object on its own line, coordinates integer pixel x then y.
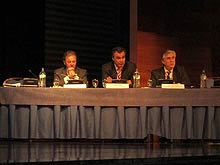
{"type": "Point", "coordinates": [70, 71]}
{"type": "Point", "coordinates": [169, 70]}
{"type": "Point", "coordinates": [118, 68]}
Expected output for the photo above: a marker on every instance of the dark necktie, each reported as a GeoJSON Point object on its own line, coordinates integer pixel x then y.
{"type": "Point", "coordinates": [168, 74]}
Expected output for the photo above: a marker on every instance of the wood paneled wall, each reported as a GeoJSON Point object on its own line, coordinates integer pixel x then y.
{"type": "Point", "coordinates": [193, 57]}
{"type": "Point", "coordinates": [149, 50]}
{"type": "Point", "coordinates": [191, 28]}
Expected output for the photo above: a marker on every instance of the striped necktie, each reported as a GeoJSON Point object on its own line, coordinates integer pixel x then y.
{"type": "Point", "coordinates": [119, 73]}
{"type": "Point", "coordinates": [168, 74]}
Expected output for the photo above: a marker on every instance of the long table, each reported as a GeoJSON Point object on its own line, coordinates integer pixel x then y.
{"type": "Point", "coordinates": [60, 113]}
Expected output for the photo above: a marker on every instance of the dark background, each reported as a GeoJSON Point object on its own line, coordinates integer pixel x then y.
{"type": "Point", "coordinates": [193, 28]}
{"type": "Point", "coordinates": [34, 34]}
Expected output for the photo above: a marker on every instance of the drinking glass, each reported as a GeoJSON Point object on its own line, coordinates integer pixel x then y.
{"type": "Point", "coordinates": [104, 83]}
{"type": "Point", "coordinates": [95, 83]}
{"type": "Point", "coordinates": [56, 83]}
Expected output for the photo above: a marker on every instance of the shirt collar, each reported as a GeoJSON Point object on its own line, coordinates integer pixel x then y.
{"type": "Point", "coordinates": [116, 68]}
{"type": "Point", "coordinates": [171, 71]}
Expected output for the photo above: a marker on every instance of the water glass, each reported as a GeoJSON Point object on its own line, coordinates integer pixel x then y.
{"type": "Point", "coordinates": [95, 83]}
{"type": "Point", "coordinates": [104, 83]}
{"type": "Point", "coordinates": [56, 84]}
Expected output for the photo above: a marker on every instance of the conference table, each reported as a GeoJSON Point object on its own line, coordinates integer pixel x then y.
{"type": "Point", "coordinates": [100, 113]}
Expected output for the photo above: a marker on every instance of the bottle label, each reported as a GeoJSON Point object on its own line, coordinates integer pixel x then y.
{"type": "Point", "coordinates": [42, 75]}
{"type": "Point", "coordinates": [136, 79]}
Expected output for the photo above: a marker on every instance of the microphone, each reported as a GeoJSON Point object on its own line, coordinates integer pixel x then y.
{"type": "Point", "coordinates": [33, 74]}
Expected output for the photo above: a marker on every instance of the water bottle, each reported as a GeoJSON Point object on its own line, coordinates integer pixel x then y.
{"type": "Point", "coordinates": [203, 78]}
{"type": "Point", "coordinates": [136, 79]}
{"type": "Point", "coordinates": [42, 78]}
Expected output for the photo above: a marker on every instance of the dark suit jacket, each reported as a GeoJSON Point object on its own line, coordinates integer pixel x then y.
{"type": "Point", "coordinates": [60, 73]}
{"type": "Point", "coordinates": [179, 76]}
{"type": "Point", "coordinates": [108, 69]}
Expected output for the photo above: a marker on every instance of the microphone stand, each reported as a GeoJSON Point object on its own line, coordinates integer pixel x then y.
{"type": "Point", "coordinates": [33, 74]}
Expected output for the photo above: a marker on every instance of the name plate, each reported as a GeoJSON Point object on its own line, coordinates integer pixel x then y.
{"type": "Point", "coordinates": [116, 85]}
{"type": "Point", "coordinates": [173, 86]}
{"type": "Point", "coordinates": [74, 86]}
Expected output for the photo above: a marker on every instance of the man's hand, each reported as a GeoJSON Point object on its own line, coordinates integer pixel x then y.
{"type": "Point", "coordinates": [71, 73]}
{"type": "Point", "coordinates": [108, 79]}
{"type": "Point", "coordinates": [129, 82]}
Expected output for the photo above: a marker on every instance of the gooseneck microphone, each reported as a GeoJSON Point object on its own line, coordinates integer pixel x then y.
{"type": "Point", "coordinates": [33, 74]}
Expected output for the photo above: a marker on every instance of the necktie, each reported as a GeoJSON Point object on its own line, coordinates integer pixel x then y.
{"type": "Point", "coordinates": [168, 75]}
{"type": "Point", "coordinates": [119, 73]}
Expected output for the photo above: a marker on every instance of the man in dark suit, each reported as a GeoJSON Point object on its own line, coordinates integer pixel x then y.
{"type": "Point", "coordinates": [118, 68]}
{"type": "Point", "coordinates": [70, 71]}
{"type": "Point", "coordinates": [169, 70]}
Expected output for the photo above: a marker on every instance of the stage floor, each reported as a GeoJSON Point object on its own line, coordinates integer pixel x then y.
{"type": "Point", "coordinates": [108, 152]}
